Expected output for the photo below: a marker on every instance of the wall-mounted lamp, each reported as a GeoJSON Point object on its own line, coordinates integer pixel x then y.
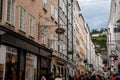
{"type": "Point", "coordinates": [60, 31]}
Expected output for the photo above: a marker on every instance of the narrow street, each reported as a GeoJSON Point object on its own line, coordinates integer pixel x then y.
{"type": "Point", "coordinates": [59, 39]}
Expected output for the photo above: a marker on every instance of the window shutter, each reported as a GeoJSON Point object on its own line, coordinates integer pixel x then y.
{"type": "Point", "coordinates": [13, 12]}
{"type": "Point", "coordinates": [24, 19]}
{"type": "Point", "coordinates": [20, 18]}
{"type": "Point", "coordinates": [45, 4]}
{"type": "Point", "coordinates": [52, 10]}
{"type": "Point", "coordinates": [33, 26]}
{"type": "Point", "coordinates": [8, 10]}
{"type": "Point", "coordinates": [29, 24]}
{"type": "Point", "coordinates": [0, 10]}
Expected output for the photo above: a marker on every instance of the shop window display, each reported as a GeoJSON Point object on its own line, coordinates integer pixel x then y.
{"type": "Point", "coordinates": [44, 67]}
{"type": "Point", "coordinates": [31, 67]}
{"type": "Point", "coordinates": [1, 71]}
{"type": "Point", "coordinates": [11, 64]}
{"type": "Point", "coordinates": [22, 65]}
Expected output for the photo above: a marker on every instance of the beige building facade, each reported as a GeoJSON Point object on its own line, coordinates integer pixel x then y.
{"type": "Point", "coordinates": [80, 39]}
{"type": "Point", "coordinates": [28, 41]}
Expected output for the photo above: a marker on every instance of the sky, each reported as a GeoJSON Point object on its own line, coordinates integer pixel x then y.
{"type": "Point", "coordinates": [95, 12]}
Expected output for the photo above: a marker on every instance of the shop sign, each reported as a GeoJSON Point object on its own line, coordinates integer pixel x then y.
{"type": "Point", "coordinates": [11, 50]}
{"type": "Point", "coordinates": [7, 38]}
{"type": "Point", "coordinates": [45, 53]}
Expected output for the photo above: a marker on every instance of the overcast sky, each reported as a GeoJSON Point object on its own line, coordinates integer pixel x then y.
{"type": "Point", "coordinates": [95, 12]}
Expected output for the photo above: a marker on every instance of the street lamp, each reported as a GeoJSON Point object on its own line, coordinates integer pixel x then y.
{"type": "Point", "coordinates": [60, 30]}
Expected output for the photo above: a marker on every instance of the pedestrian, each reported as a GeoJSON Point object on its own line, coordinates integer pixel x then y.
{"type": "Point", "coordinates": [43, 78]}
{"type": "Point", "coordinates": [116, 75]}
{"type": "Point", "coordinates": [93, 77]}
{"type": "Point", "coordinates": [50, 76]}
{"type": "Point", "coordinates": [58, 77]}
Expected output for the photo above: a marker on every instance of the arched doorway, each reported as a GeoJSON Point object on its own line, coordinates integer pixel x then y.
{"type": "Point", "coordinates": [54, 71]}
{"type": "Point", "coordinates": [58, 71]}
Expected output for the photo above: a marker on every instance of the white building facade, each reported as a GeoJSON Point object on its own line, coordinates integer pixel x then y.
{"type": "Point", "coordinates": [113, 40]}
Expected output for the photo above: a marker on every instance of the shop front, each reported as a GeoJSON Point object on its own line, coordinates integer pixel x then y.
{"type": "Point", "coordinates": [22, 58]}
{"type": "Point", "coordinates": [59, 67]}
{"type": "Point", "coordinates": [45, 63]}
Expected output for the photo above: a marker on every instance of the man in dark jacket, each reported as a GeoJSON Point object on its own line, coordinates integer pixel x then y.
{"type": "Point", "coordinates": [50, 76]}
{"type": "Point", "coordinates": [117, 74]}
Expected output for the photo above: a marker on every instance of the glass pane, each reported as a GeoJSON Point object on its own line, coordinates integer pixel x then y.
{"type": "Point", "coordinates": [31, 67]}
{"type": "Point", "coordinates": [1, 71]}
{"type": "Point", "coordinates": [11, 64]}
{"type": "Point", "coordinates": [22, 66]}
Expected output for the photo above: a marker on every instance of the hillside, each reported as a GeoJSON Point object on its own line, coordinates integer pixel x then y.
{"type": "Point", "coordinates": [100, 43]}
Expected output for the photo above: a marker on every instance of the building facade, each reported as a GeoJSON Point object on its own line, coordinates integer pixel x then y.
{"type": "Point", "coordinates": [113, 33]}
{"type": "Point", "coordinates": [23, 56]}
{"type": "Point", "coordinates": [29, 45]}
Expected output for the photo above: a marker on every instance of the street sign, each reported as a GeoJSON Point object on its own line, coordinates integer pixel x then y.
{"type": "Point", "coordinates": [110, 44]}
{"type": "Point", "coordinates": [116, 30]}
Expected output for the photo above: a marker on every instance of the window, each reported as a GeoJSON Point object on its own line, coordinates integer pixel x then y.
{"type": "Point", "coordinates": [61, 3]}
{"type": "Point", "coordinates": [52, 10]}
{"type": "Point", "coordinates": [10, 12]}
{"type": "Point", "coordinates": [43, 34]}
{"type": "Point", "coordinates": [22, 18]}
{"type": "Point", "coordinates": [45, 4]}
{"type": "Point", "coordinates": [64, 49]}
{"type": "Point", "coordinates": [31, 25]}
{"type": "Point", "coordinates": [56, 46]}
{"type": "Point", "coordinates": [64, 7]}
{"type": "Point", "coordinates": [61, 48]}
{"type": "Point", "coordinates": [52, 41]}
{"type": "Point", "coordinates": [56, 14]}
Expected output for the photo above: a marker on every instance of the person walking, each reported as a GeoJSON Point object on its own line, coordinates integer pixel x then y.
{"type": "Point", "coordinates": [116, 75]}
{"type": "Point", "coordinates": [50, 76]}
{"type": "Point", "coordinates": [58, 77]}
